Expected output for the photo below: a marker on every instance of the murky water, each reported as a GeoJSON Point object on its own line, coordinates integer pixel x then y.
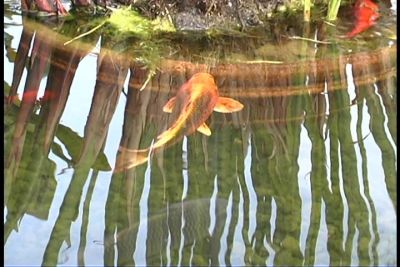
{"type": "Point", "coordinates": [305, 174]}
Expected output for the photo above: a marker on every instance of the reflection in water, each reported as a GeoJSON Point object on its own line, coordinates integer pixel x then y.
{"type": "Point", "coordinates": [305, 174]}
{"type": "Point", "coordinates": [190, 218]}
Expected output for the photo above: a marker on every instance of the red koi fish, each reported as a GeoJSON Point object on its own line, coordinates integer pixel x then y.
{"type": "Point", "coordinates": [193, 105]}
{"type": "Point", "coordinates": [366, 14]}
{"type": "Point", "coordinates": [30, 97]}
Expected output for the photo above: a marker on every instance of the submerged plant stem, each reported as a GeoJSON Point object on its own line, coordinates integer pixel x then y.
{"type": "Point", "coordinates": [258, 61]}
{"type": "Point", "coordinates": [307, 10]}
{"type": "Point", "coordinates": [309, 40]}
{"type": "Point", "coordinates": [149, 76]}
{"type": "Point", "coordinates": [84, 34]}
{"type": "Point", "coordinates": [333, 8]}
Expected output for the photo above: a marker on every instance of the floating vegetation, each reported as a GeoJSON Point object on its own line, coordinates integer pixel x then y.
{"type": "Point", "coordinates": [144, 36]}
{"type": "Point", "coordinates": [129, 22]}
{"type": "Point", "coordinates": [126, 22]}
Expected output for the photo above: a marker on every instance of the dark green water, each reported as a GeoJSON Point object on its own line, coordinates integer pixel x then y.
{"type": "Point", "coordinates": [304, 175]}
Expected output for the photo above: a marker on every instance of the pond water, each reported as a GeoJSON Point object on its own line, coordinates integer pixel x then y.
{"type": "Point", "coordinates": [305, 174]}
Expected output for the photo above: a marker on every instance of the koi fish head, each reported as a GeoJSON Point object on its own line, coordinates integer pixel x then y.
{"type": "Point", "coordinates": [201, 86]}
{"type": "Point", "coordinates": [202, 77]}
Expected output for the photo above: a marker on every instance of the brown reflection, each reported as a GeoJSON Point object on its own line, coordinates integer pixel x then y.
{"type": "Point", "coordinates": [252, 156]}
{"type": "Point", "coordinates": [264, 73]}
{"type": "Point", "coordinates": [28, 152]}
{"type": "Point", "coordinates": [62, 67]}
{"type": "Point", "coordinates": [20, 60]}
{"type": "Point", "coordinates": [39, 59]}
{"type": "Point", "coordinates": [122, 206]}
{"type": "Point", "coordinates": [29, 174]}
{"type": "Point", "coordinates": [109, 81]}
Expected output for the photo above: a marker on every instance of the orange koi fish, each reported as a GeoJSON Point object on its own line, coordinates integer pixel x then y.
{"type": "Point", "coordinates": [193, 105]}
{"type": "Point", "coordinates": [366, 13]}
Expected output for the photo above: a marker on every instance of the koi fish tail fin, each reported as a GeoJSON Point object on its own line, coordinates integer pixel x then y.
{"type": "Point", "coordinates": [359, 28]}
{"type": "Point", "coordinates": [130, 158]}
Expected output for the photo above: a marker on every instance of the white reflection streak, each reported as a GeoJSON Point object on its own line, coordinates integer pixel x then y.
{"type": "Point", "coordinates": [115, 247]}
{"type": "Point", "coordinates": [353, 127]}
{"type": "Point", "coordinates": [325, 131]}
{"type": "Point", "coordinates": [223, 241]}
{"type": "Point", "coordinates": [168, 252]}
{"type": "Point", "coordinates": [328, 162]}
{"type": "Point", "coordinates": [184, 169]}
{"type": "Point", "coordinates": [273, 218]}
{"type": "Point", "coordinates": [304, 163]}
{"type": "Point", "coordinates": [185, 184]}
{"type": "Point", "coordinates": [327, 141]}
{"type": "Point", "coordinates": [184, 194]}
{"type": "Point", "coordinates": [345, 220]}
{"type": "Point", "coordinates": [5, 214]}
{"type": "Point", "coordinates": [79, 220]}
{"type": "Point", "coordinates": [184, 154]}
{"type": "Point", "coordinates": [66, 154]}
{"type": "Point", "coordinates": [271, 252]}
{"type": "Point", "coordinates": [238, 237]}
{"type": "Point", "coordinates": [385, 122]}
{"type": "Point", "coordinates": [250, 188]}
{"type": "Point", "coordinates": [140, 251]}
{"type": "Point", "coordinates": [181, 245]}
{"type": "Point", "coordinates": [393, 5]}
{"type": "Point", "coordinates": [213, 201]}
{"type": "Point", "coordinates": [350, 82]}
{"type": "Point", "coordinates": [354, 255]}
{"type": "Point", "coordinates": [192, 253]}
{"type": "Point", "coordinates": [321, 253]}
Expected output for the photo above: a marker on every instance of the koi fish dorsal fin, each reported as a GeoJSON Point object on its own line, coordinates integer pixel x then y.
{"type": "Point", "coordinates": [204, 129]}
{"type": "Point", "coordinates": [170, 105]}
{"type": "Point", "coordinates": [227, 105]}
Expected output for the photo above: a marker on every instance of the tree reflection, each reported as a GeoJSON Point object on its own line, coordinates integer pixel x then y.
{"type": "Point", "coordinates": [236, 197]}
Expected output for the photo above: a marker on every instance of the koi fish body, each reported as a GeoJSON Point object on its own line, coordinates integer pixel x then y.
{"type": "Point", "coordinates": [366, 13]}
{"type": "Point", "coordinates": [193, 105]}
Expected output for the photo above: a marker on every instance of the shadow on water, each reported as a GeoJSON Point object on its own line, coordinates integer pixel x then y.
{"type": "Point", "coordinates": [305, 174]}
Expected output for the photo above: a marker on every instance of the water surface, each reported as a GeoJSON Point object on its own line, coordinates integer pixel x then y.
{"type": "Point", "coordinates": [305, 174]}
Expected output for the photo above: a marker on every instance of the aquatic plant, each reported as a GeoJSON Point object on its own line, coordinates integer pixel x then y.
{"type": "Point", "coordinates": [127, 22]}
{"type": "Point", "coordinates": [307, 10]}
{"type": "Point", "coordinates": [333, 9]}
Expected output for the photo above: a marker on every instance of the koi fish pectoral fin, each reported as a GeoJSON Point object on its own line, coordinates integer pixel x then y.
{"type": "Point", "coordinates": [170, 105]}
{"type": "Point", "coordinates": [204, 129]}
{"type": "Point", "coordinates": [227, 105]}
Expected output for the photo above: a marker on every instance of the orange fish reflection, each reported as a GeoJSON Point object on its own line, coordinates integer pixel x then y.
{"type": "Point", "coordinates": [366, 13]}
{"type": "Point", "coordinates": [30, 96]}
{"type": "Point", "coordinates": [193, 105]}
